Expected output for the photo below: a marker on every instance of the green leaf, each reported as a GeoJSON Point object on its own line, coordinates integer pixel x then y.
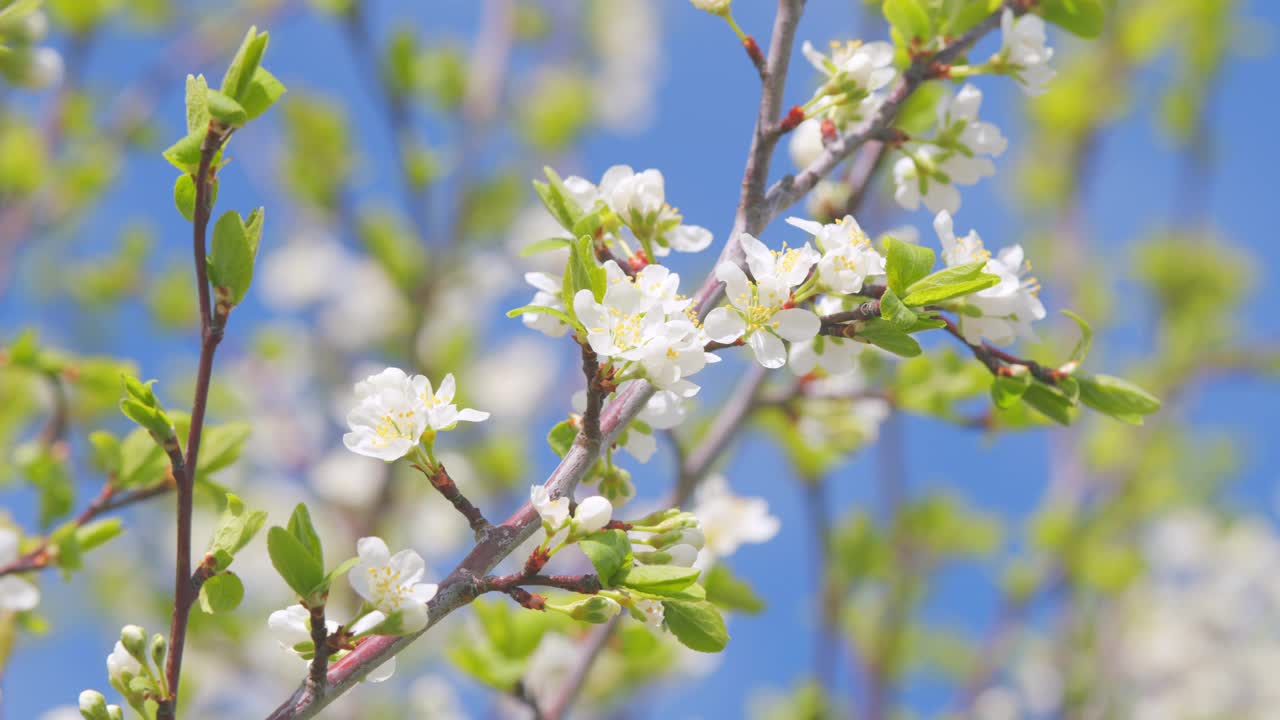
{"type": "Point", "coordinates": [185, 154]}
{"type": "Point", "coordinates": [1050, 402]}
{"type": "Point", "coordinates": [235, 529]}
{"type": "Point", "coordinates": [220, 446]}
{"type": "Point", "coordinates": [909, 18]}
{"type": "Point", "coordinates": [1086, 18]}
{"type": "Point", "coordinates": [184, 196]}
{"type": "Point", "coordinates": [1081, 350]}
{"type": "Point", "coordinates": [342, 569]}
{"type": "Point", "coordinates": [142, 461]}
{"type": "Point", "coordinates": [300, 527]}
{"type": "Point", "coordinates": [1008, 389]}
{"type": "Point", "coordinates": [226, 110]}
{"type": "Point", "coordinates": [301, 571]}
{"type": "Point", "coordinates": [697, 625]}
{"type": "Point", "coordinates": [99, 532]}
{"type": "Point", "coordinates": [541, 246]}
{"type": "Point", "coordinates": [906, 264]}
{"type": "Point", "coordinates": [729, 592]}
{"type": "Point", "coordinates": [892, 309]}
{"type": "Point", "coordinates": [561, 437]}
{"type": "Point", "coordinates": [584, 272]}
{"type": "Point", "coordinates": [263, 92]}
{"type": "Point", "coordinates": [609, 552]}
{"type": "Point", "coordinates": [106, 458]}
{"type": "Point", "coordinates": [542, 310]}
{"type": "Point", "coordinates": [884, 335]}
{"type": "Point", "coordinates": [658, 579]}
{"type": "Point", "coordinates": [1118, 398]}
{"type": "Point", "coordinates": [950, 283]}
{"type": "Point", "coordinates": [232, 255]}
{"type": "Point", "coordinates": [197, 105]}
{"type": "Point", "coordinates": [221, 593]}
{"type": "Point", "coordinates": [244, 64]}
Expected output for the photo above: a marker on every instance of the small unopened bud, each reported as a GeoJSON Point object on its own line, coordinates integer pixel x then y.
{"type": "Point", "coordinates": [682, 555]}
{"type": "Point", "coordinates": [114, 712]}
{"type": "Point", "coordinates": [122, 665]}
{"type": "Point", "coordinates": [158, 647]}
{"type": "Point", "coordinates": [591, 515]}
{"type": "Point", "coordinates": [657, 517]}
{"type": "Point", "coordinates": [134, 640]}
{"type": "Point", "coordinates": [46, 69]}
{"type": "Point", "coordinates": [93, 706]}
{"type": "Point", "coordinates": [715, 7]}
{"type": "Point", "coordinates": [595, 609]}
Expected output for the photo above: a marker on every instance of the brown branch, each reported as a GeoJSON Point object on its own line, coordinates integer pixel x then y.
{"type": "Point", "coordinates": [109, 499]}
{"type": "Point", "coordinates": [212, 322]}
{"type": "Point", "coordinates": [441, 481]}
{"type": "Point", "coordinates": [319, 641]}
{"type": "Point", "coordinates": [998, 361]}
{"type": "Point", "coordinates": [790, 189]}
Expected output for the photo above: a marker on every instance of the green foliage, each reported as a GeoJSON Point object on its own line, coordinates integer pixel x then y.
{"type": "Point", "coordinates": [232, 253]}
{"type": "Point", "coordinates": [555, 111]}
{"type": "Point", "coordinates": [236, 527]}
{"type": "Point", "coordinates": [1086, 18]}
{"type": "Point", "coordinates": [906, 264]}
{"type": "Point", "coordinates": [140, 405]}
{"type": "Point", "coordinates": [887, 336]}
{"type": "Point", "coordinates": [696, 624]}
{"type": "Point", "coordinates": [949, 283]}
{"type": "Point", "coordinates": [657, 579]}
{"type": "Point", "coordinates": [221, 593]}
{"type": "Point", "coordinates": [610, 555]}
{"type": "Point", "coordinates": [729, 592]}
{"type": "Point", "coordinates": [1117, 398]}
{"type": "Point", "coordinates": [908, 18]}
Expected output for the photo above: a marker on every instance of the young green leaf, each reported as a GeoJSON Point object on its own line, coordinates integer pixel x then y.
{"type": "Point", "coordinates": [226, 110]}
{"type": "Point", "coordinates": [884, 335]}
{"type": "Point", "coordinates": [221, 593]}
{"type": "Point", "coordinates": [658, 579]}
{"type": "Point", "coordinates": [1008, 389]}
{"type": "Point", "coordinates": [1086, 18]}
{"type": "Point", "coordinates": [263, 92]}
{"type": "Point", "coordinates": [1050, 402]}
{"type": "Point", "coordinates": [892, 309]}
{"type": "Point", "coordinates": [949, 283]}
{"type": "Point", "coordinates": [244, 64]}
{"type": "Point", "coordinates": [609, 552]}
{"type": "Point", "coordinates": [908, 17]}
{"type": "Point", "coordinates": [197, 104]}
{"type": "Point", "coordinates": [231, 257]}
{"type": "Point", "coordinates": [1081, 350]}
{"type": "Point", "coordinates": [185, 154]}
{"type": "Point", "coordinates": [1118, 398]}
{"type": "Point", "coordinates": [697, 625]}
{"type": "Point", "coordinates": [729, 592]}
{"type": "Point", "coordinates": [236, 527]}
{"type": "Point", "coordinates": [561, 437]}
{"type": "Point", "coordinates": [301, 528]}
{"type": "Point", "coordinates": [300, 570]}
{"type": "Point", "coordinates": [546, 245]}
{"type": "Point", "coordinates": [106, 458]}
{"type": "Point", "coordinates": [906, 264]}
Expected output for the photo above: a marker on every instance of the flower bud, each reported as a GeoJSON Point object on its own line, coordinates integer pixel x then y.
{"type": "Point", "coordinates": [592, 514]}
{"type": "Point", "coordinates": [114, 712]}
{"type": "Point", "coordinates": [595, 609]}
{"type": "Point", "coordinates": [656, 517]}
{"type": "Point", "coordinates": [46, 69]}
{"type": "Point", "coordinates": [682, 555]}
{"type": "Point", "coordinates": [121, 665]}
{"type": "Point", "coordinates": [93, 706]}
{"type": "Point", "coordinates": [134, 640]}
{"type": "Point", "coordinates": [158, 647]}
{"type": "Point", "coordinates": [715, 7]}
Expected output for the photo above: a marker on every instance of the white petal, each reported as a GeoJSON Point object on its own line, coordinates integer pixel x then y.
{"type": "Point", "coordinates": [18, 594]}
{"type": "Point", "coordinates": [373, 551]}
{"type": "Point", "coordinates": [469, 415]}
{"type": "Point", "coordinates": [724, 325]}
{"type": "Point", "coordinates": [796, 324]}
{"type": "Point", "coordinates": [382, 672]}
{"type": "Point", "coordinates": [769, 350]}
{"type": "Point", "coordinates": [736, 287]}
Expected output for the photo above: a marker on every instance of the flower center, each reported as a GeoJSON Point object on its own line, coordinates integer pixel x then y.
{"type": "Point", "coordinates": [387, 586]}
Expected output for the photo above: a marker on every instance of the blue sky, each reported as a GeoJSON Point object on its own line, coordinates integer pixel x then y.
{"type": "Point", "coordinates": [707, 100]}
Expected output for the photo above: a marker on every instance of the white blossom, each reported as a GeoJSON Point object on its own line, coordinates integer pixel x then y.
{"type": "Point", "coordinates": [911, 187]}
{"type": "Point", "coordinates": [554, 513]}
{"type": "Point", "coordinates": [16, 592]}
{"type": "Point", "coordinates": [855, 72]}
{"type": "Point", "coordinates": [442, 414]}
{"type": "Point", "coordinates": [1023, 44]}
{"type": "Point", "coordinates": [848, 258]}
{"type": "Point", "coordinates": [759, 310]}
{"type": "Point", "coordinates": [291, 627]}
{"type": "Point", "coordinates": [962, 157]}
{"type": "Point", "coordinates": [728, 521]}
{"type": "Point", "coordinates": [389, 417]}
{"type": "Point", "coordinates": [836, 356]}
{"type": "Point", "coordinates": [391, 582]}
{"type": "Point", "coordinates": [1009, 307]}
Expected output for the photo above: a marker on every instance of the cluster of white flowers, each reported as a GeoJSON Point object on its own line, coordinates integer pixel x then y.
{"type": "Point", "coordinates": [960, 155]}
{"type": "Point", "coordinates": [1024, 46]}
{"type": "Point", "coordinates": [389, 583]}
{"type": "Point", "coordinates": [855, 74]}
{"type": "Point", "coordinates": [644, 323]}
{"type": "Point", "coordinates": [638, 199]}
{"type": "Point", "coordinates": [761, 313]}
{"type": "Point", "coordinates": [393, 411]}
{"type": "Point", "coordinates": [1008, 308]}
